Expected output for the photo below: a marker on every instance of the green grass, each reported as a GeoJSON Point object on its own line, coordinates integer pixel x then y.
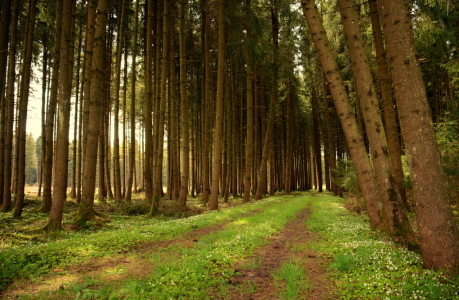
{"type": "Point", "coordinates": [208, 266]}
{"type": "Point", "coordinates": [368, 266]}
{"type": "Point", "coordinates": [291, 280]}
{"type": "Point", "coordinates": [36, 258]}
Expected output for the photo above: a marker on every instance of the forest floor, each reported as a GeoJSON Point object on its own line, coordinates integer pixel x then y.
{"type": "Point", "coordinates": [274, 249]}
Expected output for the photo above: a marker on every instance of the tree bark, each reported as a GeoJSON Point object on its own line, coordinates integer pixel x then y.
{"type": "Point", "coordinates": [184, 109]}
{"type": "Point", "coordinates": [385, 83]}
{"type": "Point", "coordinates": [65, 92]}
{"type": "Point", "coordinates": [24, 101]}
{"type": "Point", "coordinates": [218, 133]}
{"type": "Point", "coordinates": [5, 20]}
{"type": "Point", "coordinates": [148, 176]}
{"type": "Point", "coordinates": [249, 136]}
{"type": "Point", "coordinates": [86, 208]}
{"type": "Point", "coordinates": [116, 112]}
{"type": "Point", "coordinates": [158, 168]}
{"type": "Point", "coordinates": [132, 168]}
{"type": "Point", "coordinates": [438, 234]}
{"type": "Point", "coordinates": [9, 116]}
{"type": "Point", "coordinates": [395, 218]}
{"type": "Point", "coordinates": [349, 124]}
{"type": "Point", "coordinates": [50, 115]}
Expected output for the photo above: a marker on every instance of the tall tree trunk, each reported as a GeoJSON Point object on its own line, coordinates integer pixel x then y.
{"type": "Point", "coordinates": [86, 208]}
{"type": "Point", "coordinates": [24, 101]}
{"type": "Point", "coordinates": [158, 169]}
{"type": "Point", "coordinates": [148, 176]}
{"type": "Point", "coordinates": [349, 124]}
{"type": "Point", "coordinates": [438, 233]}
{"type": "Point", "coordinates": [206, 105]}
{"type": "Point", "coordinates": [317, 147]}
{"type": "Point", "coordinates": [43, 111]}
{"type": "Point", "coordinates": [9, 116]}
{"type": "Point", "coordinates": [75, 127]}
{"type": "Point", "coordinates": [250, 125]}
{"type": "Point", "coordinates": [116, 112]}
{"type": "Point", "coordinates": [132, 168]}
{"type": "Point", "coordinates": [184, 109]}
{"type": "Point", "coordinates": [385, 83]}
{"type": "Point", "coordinates": [65, 92]}
{"type": "Point", "coordinates": [5, 20]}
{"type": "Point", "coordinates": [263, 173]}
{"type": "Point", "coordinates": [50, 115]}
{"type": "Point", "coordinates": [397, 224]}
{"type": "Point", "coordinates": [218, 133]}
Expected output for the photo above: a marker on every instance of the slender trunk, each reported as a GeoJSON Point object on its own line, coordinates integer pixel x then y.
{"type": "Point", "coordinates": [75, 127]}
{"type": "Point", "coordinates": [218, 138]}
{"type": "Point", "coordinates": [43, 112]}
{"type": "Point", "coordinates": [5, 20]}
{"type": "Point", "coordinates": [49, 128]}
{"type": "Point", "coordinates": [249, 137]}
{"type": "Point", "coordinates": [267, 142]}
{"type": "Point", "coordinates": [184, 109]}
{"type": "Point", "coordinates": [148, 176]}
{"type": "Point", "coordinates": [24, 100]}
{"type": "Point", "coordinates": [438, 233]}
{"type": "Point", "coordinates": [132, 168]}
{"type": "Point", "coordinates": [158, 169]}
{"type": "Point", "coordinates": [207, 102]}
{"type": "Point", "coordinates": [9, 116]}
{"type": "Point", "coordinates": [116, 112]}
{"type": "Point", "coordinates": [65, 91]}
{"type": "Point", "coordinates": [317, 147]}
{"type": "Point", "coordinates": [349, 124]}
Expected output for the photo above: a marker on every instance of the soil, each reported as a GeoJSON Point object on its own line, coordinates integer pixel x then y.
{"type": "Point", "coordinates": [292, 242]}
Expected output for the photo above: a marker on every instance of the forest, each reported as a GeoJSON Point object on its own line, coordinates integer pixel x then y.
{"type": "Point", "coordinates": [172, 109]}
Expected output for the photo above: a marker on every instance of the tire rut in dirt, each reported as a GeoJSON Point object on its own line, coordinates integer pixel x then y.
{"type": "Point", "coordinates": [258, 282]}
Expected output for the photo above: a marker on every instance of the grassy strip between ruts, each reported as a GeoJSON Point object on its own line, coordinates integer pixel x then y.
{"type": "Point", "coordinates": [35, 259]}
{"type": "Point", "coordinates": [368, 266]}
{"type": "Point", "coordinates": [200, 272]}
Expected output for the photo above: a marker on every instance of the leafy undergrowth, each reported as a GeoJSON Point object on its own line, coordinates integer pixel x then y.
{"type": "Point", "coordinates": [36, 257]}
{"type": "Point", "coordinates": [366, 265]}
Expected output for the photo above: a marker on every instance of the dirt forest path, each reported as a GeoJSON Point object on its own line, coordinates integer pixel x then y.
{"type": "Point", "coordinates": [291, 243]}
{"type": "Point", "coordinates": [254, 280]}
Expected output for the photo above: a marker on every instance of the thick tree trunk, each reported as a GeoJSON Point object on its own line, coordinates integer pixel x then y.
{"type": "Point", "coordinates": [385, 83]}
{"type": "Point", "coordinates": [349, 124]}
{"type": "Point", "coordinates": [438, 233]}
{"type": "Point", "coordinates": [65, 91]}
{"type": "Point", "coordinates": [24, 100]}
{"type": "Point", "coordinates": [218, 133]}
{"type": "Point", "coordinates": [395, 218]}
{"type": "Point", "coordinates": [86, 208]}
